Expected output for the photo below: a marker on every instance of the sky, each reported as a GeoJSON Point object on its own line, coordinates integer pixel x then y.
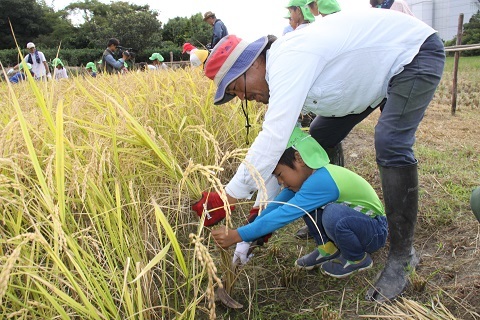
{"type": "Point", "coordinates": [248, 19]}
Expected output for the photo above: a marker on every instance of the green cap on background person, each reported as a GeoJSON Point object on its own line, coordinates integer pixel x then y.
{"type": "Point", "coordinates": [29, 66]}
{"type": "Point", "coordinates": [302, 4]}
{"type": "Point", "coordinates": [92, 66]}
{"type": "Point", "coordinates": [157, 56]}
{"type": "Point", "coordinates": [56, 62]}
{"type": "Point", "coordinates": [309, 149]}
{"type": "Point", "coordinates": [326, 6]}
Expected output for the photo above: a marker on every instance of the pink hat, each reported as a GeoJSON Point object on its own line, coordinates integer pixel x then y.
{"type": "Point", "coordinates": [188, 47]}
{"type": "Point", "coordinates": [231, 58]}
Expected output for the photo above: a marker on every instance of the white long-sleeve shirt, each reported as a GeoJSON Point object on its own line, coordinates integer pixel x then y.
{"type": "Point", "coordinates": [339, 65]}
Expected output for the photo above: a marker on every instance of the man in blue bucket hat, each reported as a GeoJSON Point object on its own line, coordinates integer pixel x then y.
{"type": "Point", "coordinates": [342, 68]}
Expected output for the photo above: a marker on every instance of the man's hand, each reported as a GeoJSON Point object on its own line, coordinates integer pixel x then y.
{"type": "Point", "coordinates": [223, 239]}
{"type": "Point", "coordinates": [212, 204]}
{"type": "Point", "coordinates": [242, 253]}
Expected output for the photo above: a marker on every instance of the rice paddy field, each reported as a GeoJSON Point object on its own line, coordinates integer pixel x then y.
{"type": "Point", "coordinates": [97, 177]}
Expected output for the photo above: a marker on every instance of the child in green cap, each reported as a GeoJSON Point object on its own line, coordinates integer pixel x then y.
{"type": "Point", "coordinates": [21, 74]}
{"type": "Point", "coordinates": [341, 209]}
{"type": "Point", "coordinates": [299, 13]}
{"type": "Point", "coordinates": [91, 69]}
{"type": "Point", "coordinates": [157, 62]}
{"type": "Point", "coordinates": [60, 72]}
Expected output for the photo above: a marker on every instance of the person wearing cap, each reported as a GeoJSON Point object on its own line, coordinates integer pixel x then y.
{"type": "Point", "coordinates": [342, 210]}
{"type": "Point", "coordinates": [60, 71]}
{"type": "Point", "coordinates": [157, 62]}
{"type": "Point", "coordinates": [111, 65]}
{"type": "Point", "coordinates": [91, 69]}
{"type": "Point", "coordinates": [219, 28]}
{"type": "Point", "coordinates": [346, 66]}
{"type": "Point", "coordinates": [197, 56]}
{"type": "Point", "coordinates": [299, 13]}
{"type": "Point", "coordinates": [21, 74]}
{"type": "Point", "coordinates": [291, 24]}
{"type": "Point", "coordinates": [397, 5]}
{"type": "Point", "coordinates": [323, 7]}
{"type": "Point", "coordinates": [37, 61]}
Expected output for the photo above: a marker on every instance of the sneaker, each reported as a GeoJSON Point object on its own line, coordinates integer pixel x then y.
{"type": "Point", "coordinates": [303, 233]}
{"type": "Point", "coordinates": [340, 268]}
{"type": "Point", "coordinates": [314, 259]}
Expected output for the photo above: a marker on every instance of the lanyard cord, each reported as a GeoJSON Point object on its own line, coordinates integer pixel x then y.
{"type": "Point", "coordinates": [245, 110]}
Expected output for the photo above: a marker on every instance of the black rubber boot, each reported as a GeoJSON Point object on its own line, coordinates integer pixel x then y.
{"type": "Point", "coordinates": [400, 192]}
{"type": "Point", "coordinates": [335, 155]}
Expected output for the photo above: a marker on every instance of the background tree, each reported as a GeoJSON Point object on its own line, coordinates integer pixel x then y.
{"type": "Point", "coordinates": [471, 35]}
{"type": "Point", "coordinates": [28, 18]}
{"type": "Point", "coordinates": [134, 25]}
{"type": "Point", "coordinates": [194, 30]}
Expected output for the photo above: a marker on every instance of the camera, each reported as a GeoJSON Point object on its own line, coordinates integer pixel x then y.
{"type": "Point", "coordinates": [129, 52]}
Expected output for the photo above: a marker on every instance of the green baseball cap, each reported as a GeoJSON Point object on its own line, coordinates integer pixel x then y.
{"type": "Point", "coordinates": [56, 62]}
{"type": "Point", "coordinates": [92, 66]}
{"type": "Point", "coordinates": [156, 56]}
{"type": "Point", "coordinates": [302, 4]}
{"type": "Point", "coordinates": [29, 66]}
{"type": "Point", "coordinates": [310, 150]}
{"type": "Point", "coordinates": [326, 6]}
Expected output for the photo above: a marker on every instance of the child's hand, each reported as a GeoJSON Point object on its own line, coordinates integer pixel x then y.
{"type": "Point", "coordinates": [225, 240]}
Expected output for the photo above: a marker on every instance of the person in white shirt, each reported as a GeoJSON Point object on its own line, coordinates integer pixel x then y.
{"type": "Point", "coordinates": [342, 67]}
{"type": "Point", "coordinates": [60, 71]}
{"type": "Point", "coordinates": [37, 60]}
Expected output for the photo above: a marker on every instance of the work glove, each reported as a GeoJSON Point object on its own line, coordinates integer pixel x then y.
{"type": "Point", "coordinates": [252, 216]}
{"type": "Point", "coordinates": [242, 253]}
{"type": "Point", "coordinates": [10, 72]}
{"type": "Point", "coordinates": [49, 76]}
{"type": "Point", "coordinates": [213, 205]}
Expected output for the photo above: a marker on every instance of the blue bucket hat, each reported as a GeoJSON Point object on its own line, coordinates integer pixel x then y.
{"type": "Point", "coordinates": [231, 58]}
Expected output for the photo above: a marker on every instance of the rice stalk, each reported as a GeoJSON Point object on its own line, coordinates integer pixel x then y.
{"type": "Point", "coordinates": [403, 308]}
{"type": "Point", "coordinates": [205, 259]}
